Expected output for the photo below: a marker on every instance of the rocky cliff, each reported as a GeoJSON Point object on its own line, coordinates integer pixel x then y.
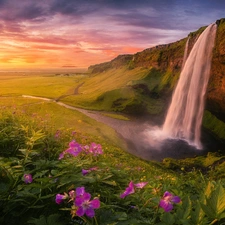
{"type": "Point", "coordinates": [216, 86]}
{"type": "Point", "coordinates": [167, 61]}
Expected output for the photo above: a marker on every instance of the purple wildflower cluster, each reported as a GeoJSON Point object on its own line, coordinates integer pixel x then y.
{"type": "Point", "coordinates": [81, 201]}
{"type": "Point", "coordinates": [75, 148]}
{"type": "Point", "coordinates": [166, 202]}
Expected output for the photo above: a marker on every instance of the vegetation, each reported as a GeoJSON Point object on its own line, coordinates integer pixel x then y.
{"type": "Point", "coordinates": [216, 126]}
{"type": "Point", "coordinates": [60, 167]}
{"type": "Point", "coordinates": [44, 165]}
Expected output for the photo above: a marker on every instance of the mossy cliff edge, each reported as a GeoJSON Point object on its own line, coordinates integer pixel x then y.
{"type": "Point", "coordinates": [161, 67]}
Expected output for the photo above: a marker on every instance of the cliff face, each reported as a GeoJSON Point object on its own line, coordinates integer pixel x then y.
{"type": "Point", "coordinates": [167, 60]}
{"type": "Point", "coordinates": [216, 86]}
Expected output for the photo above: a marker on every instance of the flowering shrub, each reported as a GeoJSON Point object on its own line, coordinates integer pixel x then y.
{"type": "Point", "coordinates": [75, 148]}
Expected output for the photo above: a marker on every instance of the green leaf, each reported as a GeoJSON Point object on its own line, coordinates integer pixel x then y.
{"type": "Point", "coordinates": [53, 219]}
{"type": "Point", "coordinates": [168, 219]}
{"type": "Point", "coordinates": [184, 211]}
{"type": "Point", "coordinates": [112, 183]}
{"type": "Point", "coordinates": [198, 215]}
{"type": "Point", "coordinates": [214, 206]}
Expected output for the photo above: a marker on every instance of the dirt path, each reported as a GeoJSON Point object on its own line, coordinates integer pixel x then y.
{"type": "Point", "coordinates": [75, 92]}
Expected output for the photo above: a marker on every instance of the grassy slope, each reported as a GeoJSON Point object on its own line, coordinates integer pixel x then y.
{"type": "Point", "coordinates": [111, 90]}
{"type": "Point", "coordinates": [105, 82]}
{"type": "Point", "coordinates": [59, 118]}
{"type": "Point", "coordinates": [114, 90]}
{"type": "Point", "coordinates": [55, 117]}
{"type": "Point", "coordinates": [52, 117]}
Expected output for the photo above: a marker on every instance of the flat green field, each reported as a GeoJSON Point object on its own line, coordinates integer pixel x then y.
{"type": "Point", "coordinates": [82, 90]}
{"type": "Point", "coordinates": [44, 86]}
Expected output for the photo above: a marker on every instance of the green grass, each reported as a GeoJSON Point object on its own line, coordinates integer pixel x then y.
{"type": "Point", "coordinates": [106, 82]}
{"type": "Point", "coordinates": [44, 86]}
{"type": "Point", "coordinates": [28, 146]}
{"type": "Point", "coordinates": [60, 118]}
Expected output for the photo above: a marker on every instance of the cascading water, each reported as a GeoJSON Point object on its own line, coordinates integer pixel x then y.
{"type": "Point", "coordinates": [185, 53]}
{"type": "Point", "coordinates": [185, 113]}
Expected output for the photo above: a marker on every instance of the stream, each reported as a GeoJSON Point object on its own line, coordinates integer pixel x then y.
{"type": "Point", "coordinates": [142, 136]}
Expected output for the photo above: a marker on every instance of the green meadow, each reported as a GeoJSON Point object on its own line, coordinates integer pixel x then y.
{"type": "Point", "coordinates": [54, 146]}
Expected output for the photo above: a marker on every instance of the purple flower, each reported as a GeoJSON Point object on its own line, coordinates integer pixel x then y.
{"type": "Point", "coordinates": [27, 178]}
{"type": "Point", "coordinates": [85, 206]}
{"type": "Point", "coordinates": [140, 185]}
{"type": "Point", "coordinates": [85, 172]}
{"type": "Point", "coordinates": [80, 191]}
{"type": "Point", "coordinates": [168, 200]}
{"type": "Point", "coordinates": [129, 190]}
{"type": "Point", "coordinates": [59, 198]}
{"type": "Point", "coordinates": [61, 155]}
{"type": "Point", "coordinates": [74, 148]}
{"type": "Point", "coordinates": [95, 149]}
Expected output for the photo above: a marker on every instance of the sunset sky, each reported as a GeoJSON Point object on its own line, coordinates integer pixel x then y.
{"type": "Point", "coordinates": [80, 33]}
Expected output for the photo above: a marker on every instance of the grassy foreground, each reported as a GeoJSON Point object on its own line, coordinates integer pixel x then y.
{"type": "Point", "coordinates": [52, 159]}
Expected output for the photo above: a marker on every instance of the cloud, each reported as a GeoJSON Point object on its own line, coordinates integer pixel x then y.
{"type": "Point", "coordinates": [25, 10]}
{"type": "Point", "coordinates": [92, 31]}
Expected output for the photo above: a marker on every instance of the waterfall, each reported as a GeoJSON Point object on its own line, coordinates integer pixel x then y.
{"type": "Point", "coordinates": [184, 116]}
{"type": "Point", "coordinates": [185, 53]}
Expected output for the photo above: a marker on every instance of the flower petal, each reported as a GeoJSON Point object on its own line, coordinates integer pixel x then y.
{"type": "Point", "coordinates": [86, 196]}
{"type": "Point", "coordinates": [129, 190]}
{"type": "Point", "coordinates": [167, 206]}
{"type": "Point", "coordinates": [80, 211]}
{"type": "Point", "coordinates": [85, 172]}
{"type": "Point", "coordinates": [175, 199]}
{"type": "Point", "coordinates": [167, 194]}
{"type": "Point", "coordinates": [80, 191]}
{"type": "Point", "coordinates": [90, 212]}
{"type": "Point", "coordinates": [95, 203]}
{"type": "Point", "coordinates": [79, 201]}
{"type": "Point", "coordinates": [140, 185]}
{"type": "Point", "coordinates": [61, 155]}
{"type": "Point", "coordinates": [59, 198]}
